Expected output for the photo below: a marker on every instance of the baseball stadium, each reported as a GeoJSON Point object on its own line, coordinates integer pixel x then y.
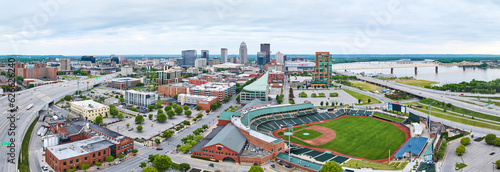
{"type": "Point", "coordinates": [317, 136]}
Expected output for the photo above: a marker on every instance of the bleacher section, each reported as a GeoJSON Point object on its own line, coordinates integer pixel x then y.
{"type": "Point", "coordinates": [317, 155]}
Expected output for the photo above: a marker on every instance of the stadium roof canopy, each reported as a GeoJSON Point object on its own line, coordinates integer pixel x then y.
{"type": "Point", "coordinates": [277, 109]}
{"type": "Point", "coordinates": [230, 137]}
{"type": "Point", "coordinates": [258, 86]}
{"type": "Point", "coordinates": [227, 115]}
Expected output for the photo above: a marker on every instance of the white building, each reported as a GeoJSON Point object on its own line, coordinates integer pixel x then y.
{"type": "Point", "coordinates": [243, 53]}
{"type": "Point", "coordinates": [201, 62]}
{"type": "Point", "coordinates": [279, 58]}
{"type": "Point", "coordinates": [142, 99]}
{"type": "Point", "coordinates": [126, 71]}
{"type": "Point", "coordinates": [193, 99]}
{"type": "Point", "coordinates": [223, 55]}
{"type": "Point", "coordinates": [89, 109]}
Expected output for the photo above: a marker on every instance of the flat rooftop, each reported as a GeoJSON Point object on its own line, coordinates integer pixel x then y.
{"type": "Point", "coordinates": [125, 79]}
{"type": "Point", "coordinates": [88, 104]}
{"type": "Point", "coordinates": [78, 148]}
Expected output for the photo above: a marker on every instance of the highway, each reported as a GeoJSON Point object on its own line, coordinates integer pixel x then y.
{"type": "Point", "coordinates": [443, 96]}
{"type": "Point", "coordinates": [39, 98]}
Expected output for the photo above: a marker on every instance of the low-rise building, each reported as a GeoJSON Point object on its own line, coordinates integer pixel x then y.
{"type": "Point", "coordinates": [83, 142]}
{"type": "Point", "coordinates": [200, 62]}
{"type": "Point", "coordinates": [122, 83]}
{"type": "Point", "coordinates": [168, 76]}
{"type": "Point", "coordinates": [259, 89]}
{"type": "Point", "coordinates": [138, 98]}
{"type": "Point", "coordinates": [173, 89]}
{"type": "Point", "coordinates": [203, 101]}
{"type": "Point", "coordinates": [219, 90]}
{"type": "Point", "coordinates": [89, 109]}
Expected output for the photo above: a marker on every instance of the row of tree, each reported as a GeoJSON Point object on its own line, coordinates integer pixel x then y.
{"type": "Point", "coordinates": [483, 87]}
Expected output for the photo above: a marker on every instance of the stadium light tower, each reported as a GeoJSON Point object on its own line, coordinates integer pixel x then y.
{"type": "Point", "coordinates": [289, 134]}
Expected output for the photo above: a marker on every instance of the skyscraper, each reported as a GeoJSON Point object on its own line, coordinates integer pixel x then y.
{"type": "Point", "coordinates": [188, 57]}
{"type": "Point", "coordinates": [243, 53]}
{"type": "Point", "coordinates": [223, 55]}
{"type": "Point", "coordinates": [261, 58]}
{"type": "Point", "coordinates": [279, 58]}
{"type": "Point", "coordinates": [205, 55]}
{"type": "Point", "coordinates": [65, 64]}
{"type": "Point", "coordinates": [266, 47]}
{"type": "Point", "coordinates": [115, 59]}
{"type": "Point", "coordinates": [322, 72]}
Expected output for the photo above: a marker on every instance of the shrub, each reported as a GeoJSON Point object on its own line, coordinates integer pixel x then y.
{"type": "Point", "coordinates": [490, 139]}
{"type": "Point", "coordinates": [466, 141]}
{"type": "Point", "coordinates": [497, 141]}
{"type": "Point", "coordinates": [460, 150]}
{"type": "Point", "coordinates": [334, 94]}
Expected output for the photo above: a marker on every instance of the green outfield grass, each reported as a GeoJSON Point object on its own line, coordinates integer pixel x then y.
{"type": "Point", "coordinates": [362, 137]}
{"type": "Point", "coordinates": [364, 98]}
{"type": "Point", "coordinates": [417, 83]}
{"type": "Point", "coordinates": [312, 134]}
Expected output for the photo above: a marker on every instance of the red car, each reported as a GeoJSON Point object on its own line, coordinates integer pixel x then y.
{"type": "Point", "coordinates": [159, 148]}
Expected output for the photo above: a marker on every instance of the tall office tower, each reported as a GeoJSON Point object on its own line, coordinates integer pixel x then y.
{"type": "Point", "coordinates": [65, 64]}
{"type": "Point", "coordinates": [261, 58]}
{"type": "Point", "coordinates": [188, 58]}
{"type": "Point", "coordinates": [121, 59]}
{"type": "Point", "coordinates": [223, 55]}
{"type": "Point", "coordinates": [322, 72]}
{"type": "Point", "coordinates": [205, 55]}
{"type": "Point", "coordinates": [279, 58]}
{"type": "Point", "coordinates": [88, 60]}
{"type": "Point", "coordinates": [266, 47]}
{"type": "Point", "coordinates": [115, 59]}
{"type": "Point", "coordinates": [243, 53]}
{"type": "Point", "coordinates": [284, 58]}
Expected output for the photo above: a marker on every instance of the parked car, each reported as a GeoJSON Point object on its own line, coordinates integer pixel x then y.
{"type": "Point", "coordinates": [130, 129]}
{"type": "Point", "coordinates": [159, 148]}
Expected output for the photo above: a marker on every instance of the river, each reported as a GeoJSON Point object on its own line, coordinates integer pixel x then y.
{"type": "Point", "coordinates": [445, 75]}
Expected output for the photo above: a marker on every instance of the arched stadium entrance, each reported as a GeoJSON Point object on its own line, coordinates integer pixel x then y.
{"type": "Point", "coordinates": [228, 159]}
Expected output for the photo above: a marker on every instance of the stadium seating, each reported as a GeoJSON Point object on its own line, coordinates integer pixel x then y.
{"type": "Point", "coordinates": [324, 157]}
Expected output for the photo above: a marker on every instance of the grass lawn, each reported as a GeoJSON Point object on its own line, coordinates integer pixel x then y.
{"type": "Point", "coordinates": [366, 86]}
{"type": "Point", "coordinates": [139, 88]}
{"type": "Point", "coordinates": [24, 166]}
{"type": "Point", "coordinates": [352, 163]}
{"type": "Point", "coordinates": [387, 117]}
{"type": "Point", "coordinates": [417, 83]}
{"type": "Point", "coordinates": [364, 98]}
{"type": "Point", "coordinates": [69, 77]}
{"type": "Point", "coordinates": [312, 134]}
{"type": "Point", "coordinates": [362, 137]}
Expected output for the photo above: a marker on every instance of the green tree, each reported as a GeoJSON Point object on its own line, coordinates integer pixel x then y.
{"type": "Point", "coordinates": [98, 164]}
{"type": "Point", "coordinates": [162, 162]}
{"type": "Point", "coordinates": [31, 86]}
{"type": "Point", "coordinates": [85, 166]}
{"type": "Point", "coordinates": [120, 116]}
{"type": "Point", "coordinates": [132, 108]}
{"type": "Point", "coordinates": [167, 108]}
{"type": "Point", "coordinates": [198, 107]}
{"type": "Point", "coordinates": [68, 117]}
{"type": "Point", "coordinates": [331, 166]}
{"type": "Point", "coordinates": [178, 110]}
{"type": "Point", "coordinates": [71, 170]}
{"type": "Point", "coordinates": [188, 113]}
{"type": "Point", "coordinates": [184, 166]}
{"type": "Point", "coordinates": [167, 134]}
{"type": "Point", "coordinates": [122, 99]}
{"type": "Point", "coordinates": [157, 141]}
{"type": "Point", "coordinates": [134, 151]}
{"type": "Point", "coordinates": [465, 141]}
{"type": "Point", "coordinates": [121, 156]}
{"type": "Point", "coordinates": [19, 79]}
{"type": "Point", "coordinates": [112, 110]}
{"type": "Point", "coordinates": [110, 159]}
{"type": "Point", "coordinates": [256, 169]}
{"type": "Point", "coordinates": [369, 100]}
{"type": "Point", "coordinates": [490, 138]}
{"type": "Point", "coordinates": [205, 126]}
{"type": "Point", "coordinates": [158, 104]}
{"type": "Point", "coordinates": [359, 101]}
{"type": "Point", "coordinates": [497, 141]}
{"type": "Point", "coordinates": [139, 119]}
{"type": "Point", "coordinates": [151, 107]}
{"type": "Point", "coordinates": [186, 107]}
{"type": "Point", "coordinates": [139, 128]}
{"type": "Point", "coordinates": [238, 99]}
{"type": "Point", "coordinates": [170, 103]}
{"type": "Point", "coordinates": [207, 111]}
{"type": "Point", "coordinates": [321, 103]}
{"type": "Point", "coordinates": [170, 113]}
{"type": "Point", "coordinates": [150, 169]}
{"type": "Point", "coordinates": [98, 120]}
{"type": "Point", "coordinates": [460, 150]}
{"type": "Point", "coordinates": [128, 125]}
{"type": "Point", "coordinates": [161, 117]}
{"type": "Point", "coordinates": [326, 104]}
{"type": "Point", "coordinates": [175, 96]}
{"type": "Point", "coordinates": [497, 163]}
{"type": "Point", "coordinates": [143, 164]}
{"type": "Point", "coordinates": [67, 97]}
{"type": "Point", "coordinates": [150, 116]}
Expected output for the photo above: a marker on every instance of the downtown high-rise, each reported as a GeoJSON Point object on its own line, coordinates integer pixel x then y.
{"type": "Point", "coordinates": [223, 55]}
{"type": "Point", "coordinates": [322, 73]}
{"type": "Point", "coordinates": [243, 53]}
{"type": "Point", "coordinates": [205, 54]}
{"type": "Point", "coordinates": [266, 48]}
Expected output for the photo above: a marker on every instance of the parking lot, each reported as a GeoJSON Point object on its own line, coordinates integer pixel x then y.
{"type": "Point", "coordinates": [478, 156]}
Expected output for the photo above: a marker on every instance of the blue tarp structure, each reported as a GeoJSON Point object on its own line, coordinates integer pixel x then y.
{"type": "Point", "coordinates": [413, 145]}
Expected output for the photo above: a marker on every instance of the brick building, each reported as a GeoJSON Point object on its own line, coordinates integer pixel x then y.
{"type": "Point", "coordinates": [322, 73]}
{"type": "Point", "coordinates": [197, 82]}
{"type": "Point", "coordinates": [122, 83]}
{"type": "Point", "coordinates": [36, 71]}
{"type": "Point", "coordinates": [203, 101]}
{"type": "Point", "coordinates": [219, 90]}
{"type": "Point", "coordinates": [276, 77]}
{"type": "Point", "coordinates": [173, 89]}
{"type": "Point", "coordinates": [273, 65]}
{"type": "Point", "coordinates": [83, 142]}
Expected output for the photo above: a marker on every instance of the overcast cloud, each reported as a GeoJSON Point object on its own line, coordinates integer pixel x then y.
{"type": "Point", "coordinates": [292, 27]}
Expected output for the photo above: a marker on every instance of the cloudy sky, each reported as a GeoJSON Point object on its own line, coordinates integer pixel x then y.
{"type": "Point", "coordinates": [95, 27]}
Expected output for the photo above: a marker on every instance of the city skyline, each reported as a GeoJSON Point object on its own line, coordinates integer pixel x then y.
{"type": "Point", "coordinates": [360, 27]}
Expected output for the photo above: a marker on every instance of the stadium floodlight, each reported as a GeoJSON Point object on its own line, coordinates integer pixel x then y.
{"type": "Point", "coordinates": [289, 134]}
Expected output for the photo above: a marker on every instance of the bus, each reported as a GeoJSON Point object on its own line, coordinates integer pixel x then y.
{"type": "Point", "coordinates": [30, 106]}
